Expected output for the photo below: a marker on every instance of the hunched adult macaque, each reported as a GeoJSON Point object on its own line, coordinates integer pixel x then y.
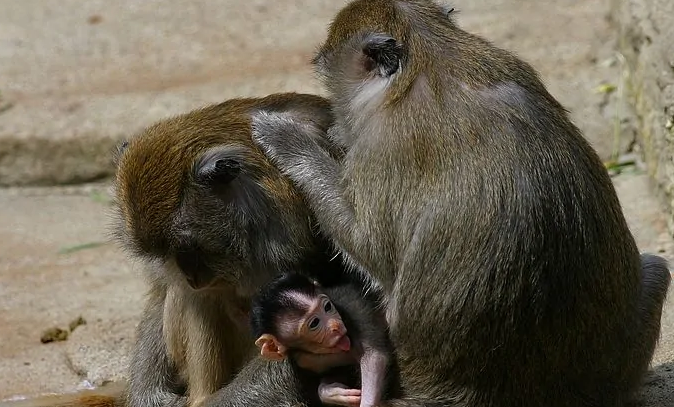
{"type": "Point", "coordinates": [324, 328]}
{"type": "Point", "coordinates": [214, 220]}
{"type": "Point", "coordinates": [510, 274]}
{"type": "Point", "coordinates": [202, 204]}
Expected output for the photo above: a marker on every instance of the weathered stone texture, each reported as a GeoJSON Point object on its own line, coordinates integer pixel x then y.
{"type": "Point", "coordinates": [646, 41]}
{"type": "Point", "coordinates": [98, 71]}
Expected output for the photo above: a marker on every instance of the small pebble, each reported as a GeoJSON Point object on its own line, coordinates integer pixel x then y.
{"type": "Point", "coordinates": [55, 334]}
{"type": "Point", "coordinates": [77, 322]}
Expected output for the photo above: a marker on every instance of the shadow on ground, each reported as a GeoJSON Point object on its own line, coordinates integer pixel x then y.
{"type": "Point", "coordinates": [658, 388]}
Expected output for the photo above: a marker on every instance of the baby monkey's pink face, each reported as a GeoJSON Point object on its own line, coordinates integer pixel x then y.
{"type": "Point", "coordinates": [314, 327]}
{"type": "Point", "coordinates": [321, 329]}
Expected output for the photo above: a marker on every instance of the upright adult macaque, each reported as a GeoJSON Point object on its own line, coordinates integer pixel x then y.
{"type": "Point", "coordinates": [511, 276]}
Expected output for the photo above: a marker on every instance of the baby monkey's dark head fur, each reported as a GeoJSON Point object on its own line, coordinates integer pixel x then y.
{"type": "Point", "coordinates": [194, 191]}
{"type": "Point", "coordinates": [274, 298]}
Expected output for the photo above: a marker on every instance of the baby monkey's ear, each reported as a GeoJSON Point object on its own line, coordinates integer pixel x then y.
{"type": "Point", "coordinates": [270, 348]}
{"type": "Point", "coordinates": [382, 53]}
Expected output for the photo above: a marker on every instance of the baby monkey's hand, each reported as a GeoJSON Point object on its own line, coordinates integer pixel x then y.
{"type": "Point", "coordinates": [338, 394]}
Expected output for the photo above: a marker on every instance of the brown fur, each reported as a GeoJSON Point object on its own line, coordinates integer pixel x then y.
{"type": "Point", "coordinates": [161, 159]}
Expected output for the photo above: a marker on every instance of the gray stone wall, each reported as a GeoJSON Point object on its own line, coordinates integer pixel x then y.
{"type": "Point", "coordinates": [646, 40]}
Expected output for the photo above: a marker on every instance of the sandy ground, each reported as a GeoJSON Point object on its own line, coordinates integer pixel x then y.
{"type": "Point", "coordinates": [86, 73]}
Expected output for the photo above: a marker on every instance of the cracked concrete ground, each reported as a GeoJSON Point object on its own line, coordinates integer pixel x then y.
{"type": "Point", "coordinates": [78, 76]}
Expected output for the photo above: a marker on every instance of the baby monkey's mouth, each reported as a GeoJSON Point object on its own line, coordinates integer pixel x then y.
{"type": "Point", "coordinates": [342, 343]}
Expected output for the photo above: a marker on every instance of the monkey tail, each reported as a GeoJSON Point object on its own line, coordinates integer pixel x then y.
{"type": "Point", "coordinates": [655, 281]}
{"type": "Point", "coordinates": [91, 401]}
{"type": "Point", "coordinates": [106, 396]}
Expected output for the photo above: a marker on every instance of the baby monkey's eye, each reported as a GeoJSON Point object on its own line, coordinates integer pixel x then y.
{"type": "Point", "coordinates": [313, 324]}
{"type": "Point", "coordinates": [328, 306]}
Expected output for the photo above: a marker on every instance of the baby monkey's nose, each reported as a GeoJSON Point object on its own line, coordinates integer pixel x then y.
{"type": "Point", "coordinates": [334, 326]}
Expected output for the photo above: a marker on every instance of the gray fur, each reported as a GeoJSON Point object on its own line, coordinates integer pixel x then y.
{"type": "Point", "coordinates": [511, 275]}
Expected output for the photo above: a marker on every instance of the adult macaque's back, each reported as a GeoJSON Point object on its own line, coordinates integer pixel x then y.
{"type": "Point", "coordinates": [468, 194]}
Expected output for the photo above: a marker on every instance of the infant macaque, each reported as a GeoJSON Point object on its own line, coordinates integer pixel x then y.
{"type": "Point", "coordinates": [324, 328]}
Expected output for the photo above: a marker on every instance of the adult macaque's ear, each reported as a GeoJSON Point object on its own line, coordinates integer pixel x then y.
{"type": "Point", "coordinates": [217, 167]}
{"type": "Point", "coordinates": [383, 54]}
{"type": "Point", "coordinates": [270, 348]}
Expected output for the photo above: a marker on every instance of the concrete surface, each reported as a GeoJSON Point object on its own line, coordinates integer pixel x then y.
{"type": "Point", "coordinates": [646, 33]}
{"type": "Point", "coordinates": [41, 286]}
{"type": "Point", "coordinates": [76, 77]}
